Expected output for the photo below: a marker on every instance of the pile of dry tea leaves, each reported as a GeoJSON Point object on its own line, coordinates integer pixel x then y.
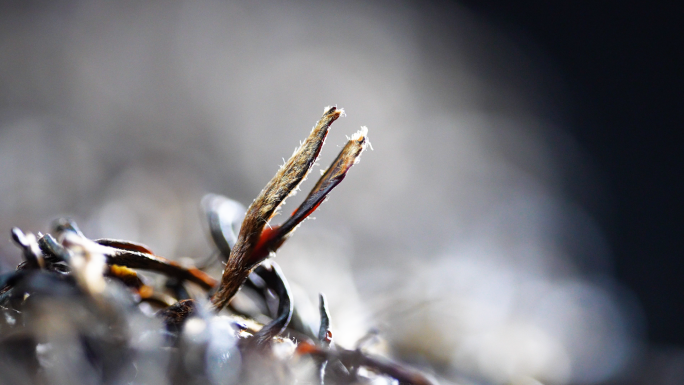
{"type": "Point", "coordinates": [77, 310]}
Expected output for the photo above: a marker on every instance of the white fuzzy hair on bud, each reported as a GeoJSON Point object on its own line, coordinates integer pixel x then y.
{"type": "Point", "coordinates": [362, 134]}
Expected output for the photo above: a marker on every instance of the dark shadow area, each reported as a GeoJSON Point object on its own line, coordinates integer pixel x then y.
{"type": "Point", "coordinates": [621, 67]}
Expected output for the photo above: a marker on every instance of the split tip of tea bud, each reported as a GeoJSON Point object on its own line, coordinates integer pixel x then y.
{"type": "Point", "coordinates": [333, 109]}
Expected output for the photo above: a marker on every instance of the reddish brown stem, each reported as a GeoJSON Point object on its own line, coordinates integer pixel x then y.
{"type": "Point", "coordinates": [272, 238]}
{"type": "Point", "coordinates": [350, 358]}
{"type": "Point", "coordinates": [145, 261]}
{"type": "Point", "coordinates": [242, 258]}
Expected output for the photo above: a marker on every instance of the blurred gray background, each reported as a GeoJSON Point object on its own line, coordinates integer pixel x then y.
{"type": "Point", "coordinates": [463, 237]}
